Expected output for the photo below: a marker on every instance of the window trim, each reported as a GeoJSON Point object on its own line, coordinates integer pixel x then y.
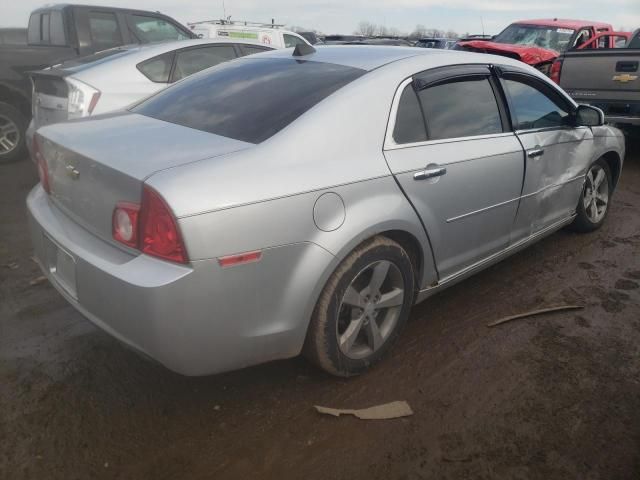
{"type": "Point", "coordinates": [391, 144]}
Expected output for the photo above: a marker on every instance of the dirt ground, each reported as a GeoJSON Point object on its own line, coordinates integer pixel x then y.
{"type": "Point", "coordinates": [555, 397]}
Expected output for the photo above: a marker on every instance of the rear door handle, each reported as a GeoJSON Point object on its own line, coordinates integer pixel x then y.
{"type": "Point", "coordinates": [430, 173]}
{"type": "Point", "coordinates": [536, 152]}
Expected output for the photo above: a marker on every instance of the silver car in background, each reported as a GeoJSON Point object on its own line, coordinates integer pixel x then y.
{"type": "Point", "coordinates": [280, 203]}
{"type": "Point", "coordinates": [116, 78]}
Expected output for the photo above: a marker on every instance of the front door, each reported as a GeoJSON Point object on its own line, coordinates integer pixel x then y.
{"type": "Point", "coordinates": [452, 154]}
{"type": "Point", "coordinates": [555, 150]}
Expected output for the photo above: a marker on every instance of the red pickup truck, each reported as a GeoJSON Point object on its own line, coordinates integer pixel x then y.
{"type": "Point", "coordinates": [540, 42]}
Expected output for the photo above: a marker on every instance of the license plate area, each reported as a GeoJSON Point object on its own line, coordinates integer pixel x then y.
{"type": "Point", "coordinates": [61, 265]}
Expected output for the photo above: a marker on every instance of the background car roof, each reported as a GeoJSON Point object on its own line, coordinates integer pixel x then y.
{"type": "Point", "coordinates": [138, 53]}
{"type": "Point", "coordinates": [563, 23]}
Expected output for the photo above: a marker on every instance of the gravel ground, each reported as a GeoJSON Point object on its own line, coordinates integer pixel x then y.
{"type": "Point", "coordinates": [549, 397]}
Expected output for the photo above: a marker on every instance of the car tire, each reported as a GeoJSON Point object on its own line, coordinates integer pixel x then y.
{"type": "Point", "coordinates": [13, 125]}
{"type": "Point", "coordinates": [358, 316]}
{"type": "Point", "coordinates": [593, 205]}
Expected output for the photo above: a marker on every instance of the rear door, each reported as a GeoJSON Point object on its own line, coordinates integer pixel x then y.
{"type": "Point", "coordinates": [556, 152]}
{"type": "Point", "coordinates": [451, 150]}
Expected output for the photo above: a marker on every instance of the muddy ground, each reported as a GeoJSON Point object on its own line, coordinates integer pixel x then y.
{"type": "Point", "coordinates": [555, 397]}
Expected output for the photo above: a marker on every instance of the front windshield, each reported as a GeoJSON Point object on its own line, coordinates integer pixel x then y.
{"type": "Point", "coordinates": [552, 38]}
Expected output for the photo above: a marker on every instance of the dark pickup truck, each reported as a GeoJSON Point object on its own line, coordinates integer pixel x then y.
{"type": "Point", "coordinates": [62, 32]}
{"type": "Point", "coordinates": [605, 78]}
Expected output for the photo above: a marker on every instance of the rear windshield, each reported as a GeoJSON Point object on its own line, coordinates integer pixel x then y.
{"type": "Point", "coordinates": [248, 99]}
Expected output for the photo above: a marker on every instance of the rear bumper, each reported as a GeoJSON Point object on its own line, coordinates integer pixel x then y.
{"type": "Point", "coordinates": [196, 320]}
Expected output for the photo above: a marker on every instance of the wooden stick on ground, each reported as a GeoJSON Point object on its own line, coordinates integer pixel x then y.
{"type": "Point", "coordinates": [534, 313]}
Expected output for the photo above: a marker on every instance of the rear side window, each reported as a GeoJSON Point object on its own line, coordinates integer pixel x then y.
{"type": "Point", "coordinates": [532, 107]}
{"type": "Point", "coordinates": [250, 99]}
{"type": "Point", "coordinates": [193, 60]}
{"type": "Point", "coordinates": [157, 69]}
{"type": "Point", "coordinates": [46, 29]}
{"type": "Point", "coordinates": [251, 49]}
{"type": "Point", "coordinates": [105, 32]}
{"type": "Point", "coordinates": [409, 127]}
{"type": "Point", "coordinates": [291, 40]}
{"type": "Point", "coordinates": [151, 29]}
{"type": "Point", "coordinates": [460, 108]}
{"type": "Point", "coordinates": [635, 41]}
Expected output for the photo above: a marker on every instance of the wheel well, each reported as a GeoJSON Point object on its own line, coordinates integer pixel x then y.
{"type": "Point", "coordinates": [613, 160]}
{"type": "Point", "coordinates": [12, 97]}
{"type": "Point", "coordinates": [411, 245]}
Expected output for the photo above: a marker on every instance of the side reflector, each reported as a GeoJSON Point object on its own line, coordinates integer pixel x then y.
{"type": "Point", "coordinates": [239, 259]}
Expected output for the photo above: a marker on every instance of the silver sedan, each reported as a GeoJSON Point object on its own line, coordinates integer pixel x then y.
{"type": "Point", "coordinates": [282, 203]}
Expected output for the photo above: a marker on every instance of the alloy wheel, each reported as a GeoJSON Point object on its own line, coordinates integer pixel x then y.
{"type": "Point", "coordinates": [370, 309]}
{"type": "Point", "coordinates": [596, 194]}
{"type": "Point", "coordinates": [9, 135]}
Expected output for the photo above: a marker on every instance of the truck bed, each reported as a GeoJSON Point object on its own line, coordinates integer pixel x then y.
{"type": "Point", "coordinates": [608, 78]}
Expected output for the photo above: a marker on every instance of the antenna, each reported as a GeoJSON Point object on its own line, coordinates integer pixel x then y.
{"type": "Point", "coordinates": [224, 10]}
{"type": "Point", "coordinates": [482, 23]}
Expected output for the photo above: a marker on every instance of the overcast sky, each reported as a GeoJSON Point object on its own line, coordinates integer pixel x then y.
{"type": "Point", "coordinates": [343, 16]}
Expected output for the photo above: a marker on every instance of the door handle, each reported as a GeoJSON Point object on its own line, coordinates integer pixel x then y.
{"type": "Point", "coordinates": [430, 173]}
{"type": "Point", "coordinates": [536, 152]}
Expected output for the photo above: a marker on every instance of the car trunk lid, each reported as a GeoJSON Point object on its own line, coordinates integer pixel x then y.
{"type": "Point", "coordinates": [93, 164]}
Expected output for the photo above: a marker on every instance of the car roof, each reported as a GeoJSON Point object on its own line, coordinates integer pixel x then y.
{"type": "Point", "coordinates": [372, 57]}
{"type": "Point", "coordinates": [563, 23]}
{"type": "Point", "coordinates": [140, 52]}
{"type": "Point", "coordinates": [365, 57]}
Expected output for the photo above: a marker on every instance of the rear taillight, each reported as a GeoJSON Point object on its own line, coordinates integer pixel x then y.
{"type": "Point", "coordinates": [41, 163]}
{"type": "Point", "coordinates": [159, 233]}
{"type": "Point", "coordinates": [150, 227]}
{"type": "Point", "coordinates": [556, 70]}
{"type": "Point", "coordinates": [125, 223]}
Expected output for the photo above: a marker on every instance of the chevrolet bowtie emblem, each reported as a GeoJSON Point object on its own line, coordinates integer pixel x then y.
{"type": "Point", "coordinates": [73, 172]}
{"type": "Point", "coordinates": [624, 78]}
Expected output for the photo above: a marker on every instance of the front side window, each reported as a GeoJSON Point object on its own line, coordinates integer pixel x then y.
{"type": "Point", "coordinates": [249, 99]}
{"type": "Point", "coordinates": [460, 108]}
{"type": "Point", "coordinates": [150, 29]}
{"type": "Point", "coordinates": [157, 69]}
{"type": "Point", "coordinates": [291, 41]}
{"type": "Point", "coordinates": [409, 127]}
{"type": "Point", "coordinates": [194, 60]}
{"type": "Point", "coordinates": [532, 108]}
{"type": "Point", "coordinates": [105, 32]}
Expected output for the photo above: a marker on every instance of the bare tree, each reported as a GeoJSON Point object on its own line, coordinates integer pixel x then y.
{"type": "Point", "coordinates": [451, 34]}
{"type": "Point", "coordinates": [366, 29]}
{"type": "Point", "coordinates": [382, 31]}
{"type": "Point", "coordinates": [419, 32]}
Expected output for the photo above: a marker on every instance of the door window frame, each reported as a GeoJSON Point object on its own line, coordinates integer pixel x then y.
{"type": "Point", "coordinates": [438, 76]}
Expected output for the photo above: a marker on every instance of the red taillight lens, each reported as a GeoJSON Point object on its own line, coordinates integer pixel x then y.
{"type": "Point", "coordinates": [159, 233]}
{"type": "Point", "coordinates": [43, 169]}
{"type": "Point", "coordinates": [556, 70]}
{"type": "Point", "coordinates": [125, 223]}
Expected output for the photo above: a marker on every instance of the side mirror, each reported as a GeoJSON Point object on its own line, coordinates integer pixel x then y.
{"type": "Point", "coordinates": [589, 116]}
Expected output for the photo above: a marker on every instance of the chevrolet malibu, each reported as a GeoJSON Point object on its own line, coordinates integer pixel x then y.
{"type": "Point", "coordinates": [280, 203]}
